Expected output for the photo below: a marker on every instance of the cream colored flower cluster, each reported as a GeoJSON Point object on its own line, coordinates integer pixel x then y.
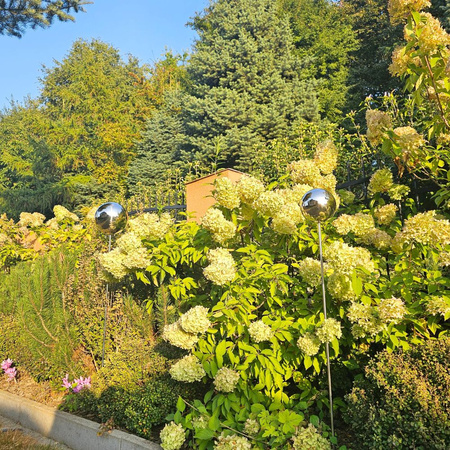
{"type": "Point", "coordinates": [430, 34]}
{"type": "Point", "coordinates": [378, 238]}
{"type": "Point", "coordinates": [251, 427]}
{"type": "Point", "coordinates": [269, 203]}
{"type": "Point", "coordinates": [410, 142]}
{"type": "Point", "coordinates": [309, 344]}
{"type": "Point", "coordinates": [172, 436]}
{"type": "Point", "coordinates": [364, 319]}
{"type": "Point", "coordinates": [310, 438]}
{"type": "Point", "coordinates": [134, 254]}
{"type": "Point", "coordinates": [222, 267]}
{"type": "Point", "coordinates": [370, 320]}
{"type": "Point", "coordinates": [326, 157]}
{"type": "Point", "coordinates": [377, 123]}
{"type": "Point", "coordinates": [340, 287]}
{"type": "Point", "coordinates": [232, 442]}
{"type": "Point", "coordinates": [175, 334]}
{"type": "Point", "coordinates": [424, 228]}
{"type": "Point", "coordinates": [386, 214]}
{"type": "Point", "coordinates": [151, 226]}
{"type": "Point", "coordinates": [259, 331]}
{"type": "Point", "coordinates": [195, 320]}
{"type": "Point", "coordinates": [329, 330]}
{"type": "Point", "coordinates": [287, 219]}
{"type": "Point", "coordinates": [188, 370]}
{"type": "Point", "coordinates": [62, 213]}
{"type": "Point", "coordinates": [358, 224]}
{"type": "Point", "coordinates": [200, 423]}
{"type": "Point", "coordinates": [112, 262]}
{"type": "Point", "coordinates": [184, 332]}
{"type": "Point", "coordinates": [391, 309]}
{"type": "Point", "coordinates": [380, 182]}
{"type": "Point", "coordinates": [226, 193]}
{"type": "Point", "coordinates": [401, 9]}
{"type": "Point", "coordinates": [438, 305]}
{"type": "Point", "coordinates": [221, 229]}
{"type": "Point", "coordinates": [249, 189]}
{"type": "Point", "coordinates": [343, 259]}
{"type": "Point", "coordinates": [401, 60]}
{"type": "Point", "coordinates": [304, 171]}
{"type": "Point", "coordinates": [309, 270]}
{"type": "Point", "coordinates": [226, 379]}
{"type": "Point", "coordinates": [31, 219]}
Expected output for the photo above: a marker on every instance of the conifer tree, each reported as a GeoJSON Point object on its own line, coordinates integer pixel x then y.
{"type": "Point", "coordinates": [245, 87]}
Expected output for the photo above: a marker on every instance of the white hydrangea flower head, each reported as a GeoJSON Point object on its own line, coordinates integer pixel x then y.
{"type": "Point", "coordinates": [391, 309]}
{"type": "Point", "coordinates": [410, 142]}
{"type": "Point", "coordinates": [437, 305]}
{"type": "Point", "coordinates": [329, 330]}
{"type": "Point", "coordinates": [401, 9]}
{"type": "Point", "coordinates": [226, 379]}
{"type": "Point", "coordinates": [340, 287]}
{"type": "Point", "coordinates": [232, 442]}
{"type": "Point", "coordinates": [174, 334]}
{"type": "Point", "coordinates": [269, 203]}
{"type": "Point", "coordinates": [343, 258]}
{"type": "Point", "coordinates": [113, 263]}
{"type": "Point", "coordinates": [309, 344]}
{"type": "Point", "coordinates": [358, 224]}
{"type": "Point", "coordinates": [377, 122]}
{"type": "Point", "coordinates": [430, 34]}
{"type": "Point", "coordinates": [427, 229]}
{"type": "Point", "coordinates": [31, 219]}
{"type": "Point", "coordinates": [249, 189]}
{"type": "Point", "coordinates": [251, 427]}
{"type": "Point", "coordinates": [134, 254]}
{"type": "Point", "coordinates": [381, 181]}
{"type": "Point", "coordinates": [172, 436]}
{"type": "Point", "coordinates": [304, 171]}
{"type": "Point", "coordinates": [150, 225]}
{"type": "Point", "coordinates": [62, 213]}
{"type": "Point", "coordinates": [298, 191]}
{"type": "Point", "coordinates": [287, 219]}
{"type": "Point", "coordinates": [386, 214]}
{"type": "Point", "coordinates": [309, 269]}
{"type": "Point", "coordinates": [188, 369]}
{"type": "Point", "coordinates": [309, 438]}
{"type": "Point", "coordinates": [378, 238]}
{"type": "Point", "coordinates": [222, 230]}
{"type": "Point", "coordinates": [260, 332]}
{"type": "Point", "coordinates": [222, 268]}
{"type": "Point", "coordinates": [326, 157]}
{"type": "Point", "coordinates": [226, 193]}
{"type": "Point", "coordinates": [200, 423]}
{"type": "Point", "coordinates": [195, 320]}
{"type": "Point", "coordinates": [365, 320]}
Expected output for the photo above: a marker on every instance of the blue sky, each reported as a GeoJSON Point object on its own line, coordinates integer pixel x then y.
{"type": "Point", "coordinates": [142, 28]}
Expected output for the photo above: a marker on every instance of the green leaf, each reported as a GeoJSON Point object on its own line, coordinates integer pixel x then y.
{"type": "Point", "coordinates": [204, 434]}
{"type": "Point", "coordinates": [181, 405]}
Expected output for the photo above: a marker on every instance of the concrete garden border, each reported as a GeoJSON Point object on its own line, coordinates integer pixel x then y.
{"type": "Point", "coordinates": [73, 431]}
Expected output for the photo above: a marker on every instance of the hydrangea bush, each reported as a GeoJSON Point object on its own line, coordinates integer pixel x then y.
{"type": "Point", "coordinates": [252, 322]}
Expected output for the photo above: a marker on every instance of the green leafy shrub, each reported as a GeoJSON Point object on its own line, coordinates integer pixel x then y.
{"type": "Point", "coordinates": [404, 400]}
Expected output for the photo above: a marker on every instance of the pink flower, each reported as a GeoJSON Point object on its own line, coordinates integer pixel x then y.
{"type": "Point", "coordinates": [81, 383]}
{"type": "Point", "coordinates": [11, 372]}
{"type": "Point", "coordinates": [66, 383]}
{"type": "Point", "coordinates": [6, 364]}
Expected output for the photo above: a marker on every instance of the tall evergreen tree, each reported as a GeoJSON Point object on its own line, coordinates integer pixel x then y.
{"type": "Point", "coordinates": [245, 87]}
{"type": "Point", "coordinates": [324, 34]}
{"type": "Point", "coordinates": [16, 15]}
{"type": "Point", "coordinates": [246, 83]}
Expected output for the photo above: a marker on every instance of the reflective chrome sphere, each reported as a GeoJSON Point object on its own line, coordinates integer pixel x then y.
{"type": "Point", "coordinates": [110, 218]}
{"type": "Point", "coordinates": [318, 204]}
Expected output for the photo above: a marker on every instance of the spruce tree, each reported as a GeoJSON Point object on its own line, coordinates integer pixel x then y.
{"type": "Point", "coordinates": [245, 88]}
{"type": "Point", "coordinates": [246, 82]}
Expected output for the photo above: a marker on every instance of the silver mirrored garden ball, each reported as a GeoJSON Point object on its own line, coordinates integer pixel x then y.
{"type": "Point", "coordinates": [318, 204]}
{"type": "Point", "coordinates": [110, 218]}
